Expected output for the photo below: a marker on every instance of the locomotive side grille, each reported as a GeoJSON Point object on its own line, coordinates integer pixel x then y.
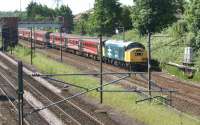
{"type": "Point", "coordinates": [139, 54]}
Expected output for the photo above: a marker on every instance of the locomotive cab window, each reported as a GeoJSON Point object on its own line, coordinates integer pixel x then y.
{"type": "Point", "coordinates": [135, 45]}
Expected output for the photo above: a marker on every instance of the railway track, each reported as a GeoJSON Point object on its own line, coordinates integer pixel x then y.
{"type": "Point", "coordinates": [10, 92]}
{"type": "Point", "coordinates": [10, 106]}
{"type": "Point", "coordinates": [70, 113]}
{"type": "Point", "coordinates": [185, 89]}
{"type": "Point", "coordinates": [185, 96]}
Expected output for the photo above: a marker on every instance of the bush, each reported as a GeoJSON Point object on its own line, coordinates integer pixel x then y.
{"type": "Point", "coordinates": [194, 41]}
{"type": "Point", "coordinates": [178, 29]}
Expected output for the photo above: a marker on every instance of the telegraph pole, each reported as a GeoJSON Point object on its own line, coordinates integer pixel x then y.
{"type": "Point", "coordinates": [101, 55]}
{"type": "Point", "coordinates": [34, 40]}
{"type": "Point", "coordinates": [31, 45]}
{"type": "Point", "coordinates": [61, 52]}
{"type": "Point", "coordinates": [20, 93]}
{"type": "Point", "coordinates": [149, 62]}
{"type": "Point", "coordinates": [101, 70]}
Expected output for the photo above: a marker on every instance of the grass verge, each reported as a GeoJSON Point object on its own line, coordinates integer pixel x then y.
{"type": "Point", "coordinates": [178, 73]}
{"type": "Point", "coordinates": [149, 114]}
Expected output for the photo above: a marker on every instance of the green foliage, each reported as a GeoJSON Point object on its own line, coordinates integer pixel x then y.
{"type": "Point", "coordinates": [125, 18]}
{"type": "Point", "coordinates": [195, 41]}
{"type": "Point", "coordinates": [178, 73]}
{"type": "Point", "coordinates": [82, 25]}
{"type": "Point", "coordinates": [22, 15]}
{"type": "Point", "coordinates": [66, 12]}
{"type": "Point", "coordinates": [131, 35]}
{"type": "Point", "coordinates": [181, 5]}
{"type": "Point", "coordinates": [192, 16]}
{"type": "Point", "coordinates": [105, 16]}
{"type": "Point", "coordinates": [39, 10]}
{"type": "Point", "coordinates": [178, 29]}
{"type": "Point", "coordinates": [153, 15]}
{"type": "Point", "coordinates": [39, 17]}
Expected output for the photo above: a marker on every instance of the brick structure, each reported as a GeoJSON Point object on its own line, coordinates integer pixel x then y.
{"type": "Point", "coordinates": [9, 28]}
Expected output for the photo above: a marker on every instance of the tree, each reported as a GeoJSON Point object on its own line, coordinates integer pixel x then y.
{"type": "Point", "coordinates": [31, 9]}
{"type": "Point", "coordinates": [66, 12]}
{"type": "Point", "coordinates": [125, 18]}
{"type": "Point", "coordinates": [192, 16]}
{"type": "Point", "coordinates": [38, 11]}
{"type": "Point", "coordinates": [105, 16]}
{"type": "Point", "coordinates": [181, 5]}
{"type": "Point", "coordinates": [81, 26]}
{"type": "Point", "coordinates": [153, 15]}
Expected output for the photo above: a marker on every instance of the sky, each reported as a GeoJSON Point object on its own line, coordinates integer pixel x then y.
{"type": "Point", "coordinates": [76, 6]}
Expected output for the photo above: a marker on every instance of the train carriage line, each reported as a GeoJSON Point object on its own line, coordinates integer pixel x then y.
{"type": "Point", "coordinates": [131, 55]}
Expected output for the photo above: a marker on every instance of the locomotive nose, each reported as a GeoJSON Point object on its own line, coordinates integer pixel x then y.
{"type": "Point", "coordinates": [136, 55]}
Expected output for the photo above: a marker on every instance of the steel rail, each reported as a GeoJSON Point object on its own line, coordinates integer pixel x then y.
{"type": "Point", "coordinates": [77, 122]}
{"type": "Point", "coordinates": [95, 74]}
{"type": "Point", "coordinates": [76, 95]}
{"type": "Point", "coordinates": [167, 105]}
{"type": "Point", "coordinates": [176, 110]}
{"type": "Point", "coordinates": [74, 120]}
{"type": "Point", "coordinates": [72, 104]}
{"type": "Point", "coordinates": [60, 81]}
{"type": "Point", "coordinates": [139, 91]}
{"type": "Point", "coordinates": [4, 92]}
{"type": "Point", "coordinates": [43, 96]}
{"type": "Point", "coordinates": [81, 110]}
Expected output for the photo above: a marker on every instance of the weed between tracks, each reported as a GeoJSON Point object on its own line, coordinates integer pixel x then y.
{"type": "Point", "coordinates": [174, 71]}
{"type": "Point", "coordinates": [150, 114]}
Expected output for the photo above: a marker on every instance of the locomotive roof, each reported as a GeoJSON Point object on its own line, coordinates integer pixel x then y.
{"type": "Point", "coordinates": [121, 43]}
{"type": "Point", "coordinates": [118, 42]}
{"type": "Point", "coordinates": [73, 36]}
